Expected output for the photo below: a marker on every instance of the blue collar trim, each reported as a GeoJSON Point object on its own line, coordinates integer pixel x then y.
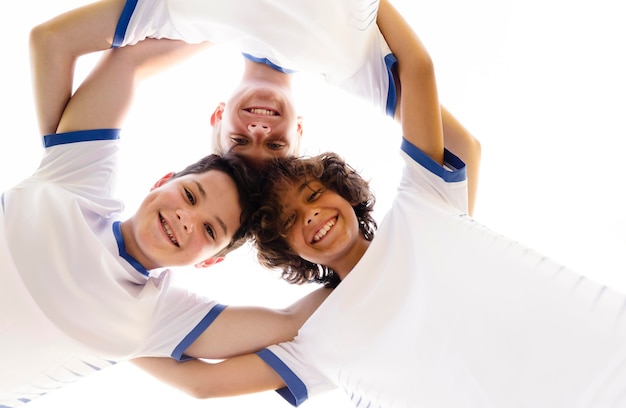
{"type": "Point", "coordinates": [269, 63]}
{"type": "Point", "coordinates": [117, 232]}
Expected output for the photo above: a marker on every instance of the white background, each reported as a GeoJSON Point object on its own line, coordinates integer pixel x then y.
{"type": "Point", "coordinates": [540, 83]}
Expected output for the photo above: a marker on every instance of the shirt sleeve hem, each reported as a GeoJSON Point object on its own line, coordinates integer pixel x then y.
{"type": "Point", "coordinates": [295, 392]}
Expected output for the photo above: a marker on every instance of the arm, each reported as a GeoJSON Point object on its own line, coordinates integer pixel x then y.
{"type": "Point", "coordinates": [420, 112]}
{"type": "Point", "coordinates": [56, 45]}
{"type": "Point", "coordinates": [236, 330]}
{"type": "Point", "coordinates": [104, 97]}
{"type": "Point", "coordinates": [240, 375]}
{"type": "Point", "coordinates": [457, 139]}
{"type": "Point", "coordinates": [240, 330]}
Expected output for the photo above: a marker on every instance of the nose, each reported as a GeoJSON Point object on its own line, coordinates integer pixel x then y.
{"type": "Point", "coordinates": [259, 128]}
{"type": "Point", "coordinates": [311, 216]}
{"type": "Point", "coordinates": [186, 220]}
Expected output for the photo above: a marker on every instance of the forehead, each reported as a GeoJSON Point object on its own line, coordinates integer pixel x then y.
{"type": "Point", "coordinates": [212, 181]}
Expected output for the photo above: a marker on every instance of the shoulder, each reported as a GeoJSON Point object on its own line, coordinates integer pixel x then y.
{"type": "Point", "coordinates": [446, 183]}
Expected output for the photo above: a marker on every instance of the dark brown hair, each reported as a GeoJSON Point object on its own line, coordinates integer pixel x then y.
{"type": "Point", "coordinates": [268, 226]}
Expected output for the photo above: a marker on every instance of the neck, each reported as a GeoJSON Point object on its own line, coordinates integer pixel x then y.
{"type": "Point", "coordinates": [130, 244]}
{"type": "Point", "coordinates": [256, 71]}
{"type": "Point", "coordinates": [347, 263]}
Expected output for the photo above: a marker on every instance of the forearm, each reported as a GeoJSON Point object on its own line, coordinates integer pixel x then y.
{"type": "Point", "coordinates": [56, 45]}
{"type": "Point", "coordinates": [460, 141]}
{"type": "Point", "coordinates": [105, 97]}
{"type": "Point", "coordinates": [408, 50]}
{"type": "Point", "coordinates": [200, 379]}
{"type": "Point", "coordinates": [239, 330]}
{"type": "Point", "coordinates": [419, 113]}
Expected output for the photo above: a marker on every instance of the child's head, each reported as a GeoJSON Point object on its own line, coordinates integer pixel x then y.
{"type": "Point", "coordinates": [258, 121]}
{"type": "Point", "coordinates": [193, 217]}
{"type": "Point", "coordinates": [315, 219]}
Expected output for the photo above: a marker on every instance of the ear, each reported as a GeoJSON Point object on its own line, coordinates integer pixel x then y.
{"type": "Point", "coordinates": [299, 125]}
{"type": "Point", "coordinates": [217, 113]}
{"type": "Point", "coordinates": [163, 180]}
{"type": "Point", "coordinates": [209, 262]}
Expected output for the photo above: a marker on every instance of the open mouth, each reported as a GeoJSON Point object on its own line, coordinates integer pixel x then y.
{"type": "Point", "coordinates": [321, 233]}
{"type": "Point", "coordinates": [168, 231]}
{"type": "Point", "coordinates": [262, 111]}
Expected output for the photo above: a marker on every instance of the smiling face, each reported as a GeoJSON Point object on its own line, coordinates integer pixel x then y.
{"type": "Point", "coordinates": [184, 221]}
{"type": "Point", "coordinates": [321, 226]}
{"type": "Point", "coordinates": [259, 121]}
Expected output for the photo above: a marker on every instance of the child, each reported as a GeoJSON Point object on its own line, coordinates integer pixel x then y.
{"type": "Point", "coordinates": [83, 289]}
{"type": "Point", "coordinates": [436, 310]}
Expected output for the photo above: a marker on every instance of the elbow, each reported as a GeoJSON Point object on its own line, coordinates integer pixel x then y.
{"type": "Point", "coordinates": [476, 147]}
{"type": "Point", "coordinates": [44, 38]}
{"type": "Point", "coordinates": [199, 391]}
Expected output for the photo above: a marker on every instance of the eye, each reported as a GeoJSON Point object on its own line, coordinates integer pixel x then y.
{"type": "Point", "coordinates": [209, 230]}
{"type": "Point", "coordinates": [190, 197]}
{"type": "Point", "coordinates": [315, 195]}
{"type": "Point", "coordinates": [288, 223]}
{"type": "Point", "coordinates": [239, 140]}
{"type": "Point", "coordinates": [276, 145]}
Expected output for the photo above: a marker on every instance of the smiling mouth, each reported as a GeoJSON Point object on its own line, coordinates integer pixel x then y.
{"type": "Point", "coordinates": [262, 111]}
{"type": "Point", "coordinates": [168, 231]}
{"type": "Point", "coordinates": [321, 233]}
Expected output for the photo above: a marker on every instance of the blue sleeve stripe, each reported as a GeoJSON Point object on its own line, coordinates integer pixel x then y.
{"type": "Point", "coordinates": [457, 170]}
{"type": "Point", "coordinates": [295, 392]}
{"type": "Point", "coordinates": [392, 95]}
{"type": "Point", "coordinates": [196, 332]}
{"type": "Point", "coordinates": [122, 24]}
{"type": "Point", "coordinates": [268, 63]}
{"type": "Point", "coordinates": [80, 136]}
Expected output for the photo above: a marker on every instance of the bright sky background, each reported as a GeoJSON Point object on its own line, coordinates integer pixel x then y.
{"type": "Point", "coordinates": [541, 83]}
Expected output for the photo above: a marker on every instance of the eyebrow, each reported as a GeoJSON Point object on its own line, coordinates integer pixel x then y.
{"type": "Point", "coordinates": [303, 186]}
{"type": "Point", "coordinates": [203, 194]}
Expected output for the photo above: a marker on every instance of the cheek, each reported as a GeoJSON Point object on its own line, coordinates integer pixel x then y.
{"type": "Point", "coordinates": [297, 243]}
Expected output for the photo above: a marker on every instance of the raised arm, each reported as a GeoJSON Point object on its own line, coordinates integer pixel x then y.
{"type": "Point", "coordinates": [105, 96]}
{"type": "Point", "coordinates": [103, 99]}
{"type": "Point", "coordinates": [420, 112]}
{"type": "Point", "coordinates": [56, 45]}
{"type": "Point", "coordinates": [408, 49]}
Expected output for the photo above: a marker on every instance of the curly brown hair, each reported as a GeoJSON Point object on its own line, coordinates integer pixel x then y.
{"type": "Point", "coordinates": [268, 224]}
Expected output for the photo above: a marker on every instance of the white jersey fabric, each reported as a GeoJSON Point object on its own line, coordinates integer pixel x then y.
{"type": "Point", "coordinates": [336, 38]}
{"type": "Point", "coordinates": [72, 300]}
{"type": "Point", "coordinates": [443, 312]}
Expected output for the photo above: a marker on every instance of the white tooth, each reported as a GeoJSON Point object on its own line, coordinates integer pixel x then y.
{"type": "Point", "coordinates": [324, 230]}
{"type": "Point", "coordinates": [260, 111]}
{"type": "Point", "coordinates": [168, 231]}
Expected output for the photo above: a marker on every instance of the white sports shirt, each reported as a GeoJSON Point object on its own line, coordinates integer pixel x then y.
{"type": "Point", "coordinates": [336, 38]}
{"type": "Point", "coordinates": [443, 312]}
{"type": "Point", "coordinates": [72, 300]}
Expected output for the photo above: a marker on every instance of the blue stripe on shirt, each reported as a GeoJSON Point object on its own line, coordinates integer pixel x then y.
{"type": "Point", "coordinates": [80, 136]}
{"type": "Point", "coordinates": [122, 24]}
{"type": "Point", "coordinates": [392, 95]}
{"type": "Point", "coordinates": [295, 392]}
{"type": "Point", "coordinates": [121, 247]}
{"type": "Point", "coordinates": [193, 335]}
{"type": "Point", "coordinates": [456, 167]}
